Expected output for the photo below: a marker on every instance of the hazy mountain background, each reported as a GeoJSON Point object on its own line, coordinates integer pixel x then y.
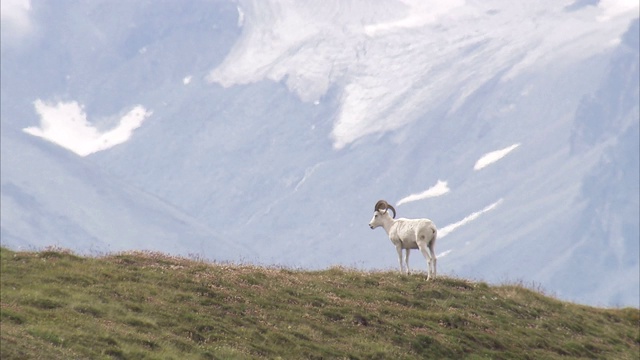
{"type": "Point", "coordinates": [265, 131]}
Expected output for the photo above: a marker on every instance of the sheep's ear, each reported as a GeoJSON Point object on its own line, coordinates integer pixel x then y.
{"type": "Point", "coordinates": [381, 205]}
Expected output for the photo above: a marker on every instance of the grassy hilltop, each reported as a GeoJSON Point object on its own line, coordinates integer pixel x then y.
{"type": "Point", "coordinates": [56, 305]}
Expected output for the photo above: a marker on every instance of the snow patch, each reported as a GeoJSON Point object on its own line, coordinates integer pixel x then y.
{"type": "Point", "coordinates": [444, 253]}
{"type": "Point", "coordinates": [307, 173]}
{"type": "Point", "coordinates": [440, 188]}
{"type": "Point", "coordinates": [387, 59]}
{"type": "Point", "coordinates": [614, 8]}
{"type": "Point", "coordinates": [449, 228]}
{"type": "Point", "coordinates": [240, 17]}
{"type": "Point", "coordinates": [420, 14]}
{"type": "Point", "coordinates": [490, 158]}
{"type": "Point", "coordinates": [65, 124]}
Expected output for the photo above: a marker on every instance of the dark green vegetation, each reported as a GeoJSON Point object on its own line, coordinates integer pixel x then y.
{"type": "Point", "coordinates": [56, 305]}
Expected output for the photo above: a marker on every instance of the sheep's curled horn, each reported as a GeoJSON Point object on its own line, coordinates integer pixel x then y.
{"type": "Point", "coordinates": [383, 205]}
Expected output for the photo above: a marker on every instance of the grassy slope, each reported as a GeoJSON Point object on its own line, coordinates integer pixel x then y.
{"type": "Point", "coordinates": [55, 305]}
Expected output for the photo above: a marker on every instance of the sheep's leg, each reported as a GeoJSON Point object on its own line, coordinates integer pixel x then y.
{"type": "Point", "coordinates": [427, 255]}
{"type": "Point", "coordinates": [406, 259]}
{"type": "Point", "coordinates": [433, 259]}
{"type": "Point", "coordinates": [399, 250]}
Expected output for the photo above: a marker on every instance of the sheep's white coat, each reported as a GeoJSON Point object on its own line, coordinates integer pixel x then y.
{"type": "Point", "coordinates": [409, 234]}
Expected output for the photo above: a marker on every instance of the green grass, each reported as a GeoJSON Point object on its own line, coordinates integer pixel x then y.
{"type": "Point", "coordinates": [55, 305]}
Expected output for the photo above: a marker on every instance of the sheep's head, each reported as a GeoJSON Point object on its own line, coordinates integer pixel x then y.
{"type": "Point", "coordinates": [379, 212]}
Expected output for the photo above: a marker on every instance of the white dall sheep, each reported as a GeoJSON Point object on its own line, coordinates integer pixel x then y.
{"type": "Point", "coordinates": [407, 234]}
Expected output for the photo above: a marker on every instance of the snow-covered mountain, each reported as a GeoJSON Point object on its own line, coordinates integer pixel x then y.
{"type": "Point", "coordinates": [265, 131]}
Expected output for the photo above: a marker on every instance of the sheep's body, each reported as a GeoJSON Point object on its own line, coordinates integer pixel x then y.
{"type": "Point", "coordinates": [409, 234]}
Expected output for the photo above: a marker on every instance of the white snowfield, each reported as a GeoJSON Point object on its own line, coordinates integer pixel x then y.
{"type": "Point", "coordinates": [490, 158]}
{"type": "Point", "coordinates": [66, 124]}
{"type": "Point", "coordinates": [440, 188]}
{"type": "Point", "coordinates": [449, 228]}
{"type": "Point", "coordinates": [386, 56]}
